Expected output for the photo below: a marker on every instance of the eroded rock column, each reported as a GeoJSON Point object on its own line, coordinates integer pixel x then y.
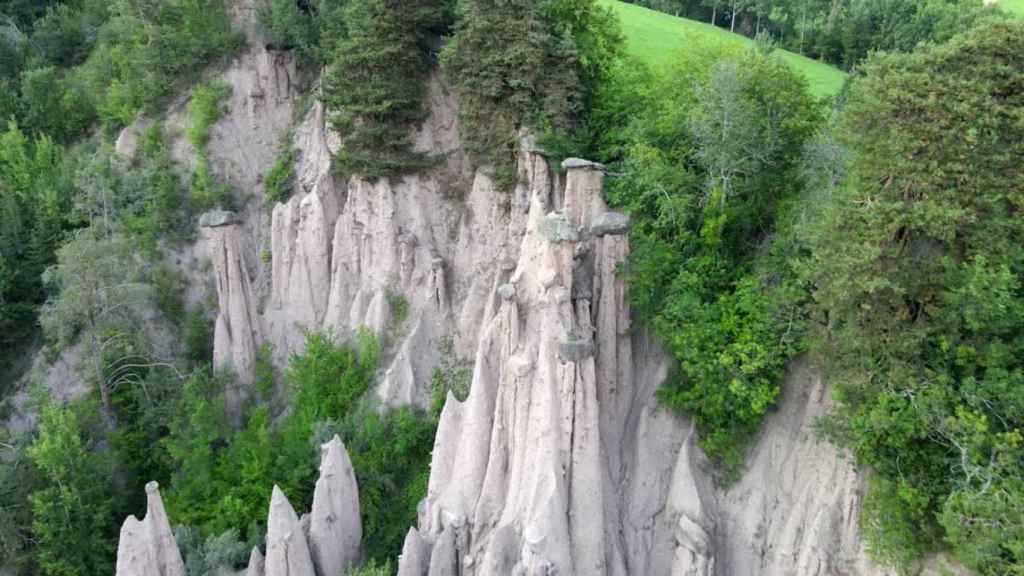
{"type": "Point", "coordinates": [147, 547]}
{"type": "Point", "coordinates": [238, 332]}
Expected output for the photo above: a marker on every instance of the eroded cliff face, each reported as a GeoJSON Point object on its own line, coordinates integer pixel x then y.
{"type": "Point", "coordinates": [559, 461]}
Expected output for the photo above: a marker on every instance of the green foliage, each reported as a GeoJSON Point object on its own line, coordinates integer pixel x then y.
{"type": "Point", "coordinates": [451, 375]}
{"type": "Point", "coordinates": [916, 262]}
{"type": "Point", "coordinates": [72, 521]}
{"type": "Point", "coordinates": [266, 378]}
{"type": "Point", "coordinates": [290, 27]}
{"type": "Point", "coordinates": [709, 201]}
{"type": "Point", "coordinates": [892, 516]}
{"type": "Point", "coordinates": [206, 190]}
{"type": "Point", "coordinates": [399, 307]}
{"type": "Point", "coordinates": [52, 106]}
{"type": "Point", "coordinates": [524, 63]}
{"type": "Point", "coordinates": [197, 333]}
{"type": "Point", "coordinates": [35, 198]}
{"type": "Point", "coordinates": [204, 110]}
{"type": "Point", "coordinates": [391, 457]}
{"type": "Point", "coordinates": [324, 383]}
{"type": "Point", "coordinates": [66, 33]}
{"type": "Point", "coordinates": [18, 479]}
{"type": "Point", "coordinates": [375, 82]}
{"type": "Point", "coordinates": [213, 556]}
{"type": "Point", "coordinates": [279, 181]}
{"type": "Point", "coordinates": [222, 477]}
{"type": "Point", "coordinates": [372, 568]}
{"type": "Point", "coordinates": [147, 49]}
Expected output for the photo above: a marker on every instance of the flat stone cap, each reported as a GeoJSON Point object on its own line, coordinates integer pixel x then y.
{"type": "Point", "coordinates": [579, 163]}
{"type": "Point", "coordinates": [217, 218]}
{"type": "Point", "coordinates": [610, 223]}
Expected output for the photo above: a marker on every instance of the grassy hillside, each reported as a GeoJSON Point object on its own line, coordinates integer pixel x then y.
{"type": "Point", "coordinates": [1013, 6]}
{"type": "Point", "coordinates": [656, 37]}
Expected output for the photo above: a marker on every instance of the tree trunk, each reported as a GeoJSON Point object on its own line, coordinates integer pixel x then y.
{"type": "Point", "coordinates": [732, 25]}
{"type": "Point", "coordinates": [803, 27]}
{"type": "Point", "coordinates": [714, 13]}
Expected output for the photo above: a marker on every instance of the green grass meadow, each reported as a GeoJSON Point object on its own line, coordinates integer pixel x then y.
{"type": "Point", "coordinates": [656, 38]}
{"type": "Point", "coordinates": [1013, 6]}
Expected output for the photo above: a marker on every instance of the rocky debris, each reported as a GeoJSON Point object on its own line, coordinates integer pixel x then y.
{"type": "Point", "coordinates": [581, 164]}
{"type": "Point", "coordinates": [218, 218]}
{"type": "Point", "coordinates": [148, 548]}
{"type": "Point", "coordinates": [557, 227]}
{"type": "Point", "coordinates": [257, 565]}
{"type": "Point", "coordinates": [415, 558]}
{"type": "Point", "coordinates": [610, 223]}
{"type": "Point", "coordinates": [287, 549]}
{"type": "Point", "coordinates": [335, 528]}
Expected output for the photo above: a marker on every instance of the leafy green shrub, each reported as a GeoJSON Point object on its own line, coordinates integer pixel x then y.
{"type": "Point", "coordinates": [391, 457]}
{"type": "Point", "coordinates": [279, 181]}
{"type": "Point", "coordinates": [53, 106]}
{"type": "Point", "coordinates": [372, 568]}
{"type": "Point", "coordinates": [214, 555]}
{"type": "Point", "coordinates": [451, 375]}
{"type": "Point", "coordinates": [265, 376]}
{"type": "Point", "coordinates": [18, 479]}
{"type": "Point", "coordinates": [399, 308]}
{"type": "Point", "coordinates": [207, 191]}
{"type": "Point", "coordinates": [204, 110]}
{"type": "Point", "coordinates": [290, 27]}
{"type": "Point", "coordinates": [72, 521]}
{"type": "Point", "coordinates": [147, 50]}
{"type": "Point", "coordinates": [708, 265]}
{"type": "Point", "coordinates": [198, 337]}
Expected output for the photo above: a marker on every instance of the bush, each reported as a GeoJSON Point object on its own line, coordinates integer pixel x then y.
{"type": "Point", "coordinates": [53, 106]}
{"type": "Point", "coordinates": [391, 457]}
{"type": "Point", "coordinates": [290, 27]}
{"type": "Point", "coordinates": [449, 376]}
{"type": "Point", "coordinates": [204, 110]}
{"type": "Point", "coordinates": [145, 51]}
{"type": "Point", "coordinates": [709, 245]}
{"type": "Point", "coordinates": [72, 521]}
{"type": "Point", "coordinates": [279, 181]}
{"type": "Point", "coordinates": [372, 568]}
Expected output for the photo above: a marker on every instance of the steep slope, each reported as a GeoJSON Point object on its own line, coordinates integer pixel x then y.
{"type": "Point", "coordinates": [560, 460]}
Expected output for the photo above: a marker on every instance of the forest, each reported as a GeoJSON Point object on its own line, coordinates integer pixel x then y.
{"type": "Point", "coordinates": [876, 230]}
